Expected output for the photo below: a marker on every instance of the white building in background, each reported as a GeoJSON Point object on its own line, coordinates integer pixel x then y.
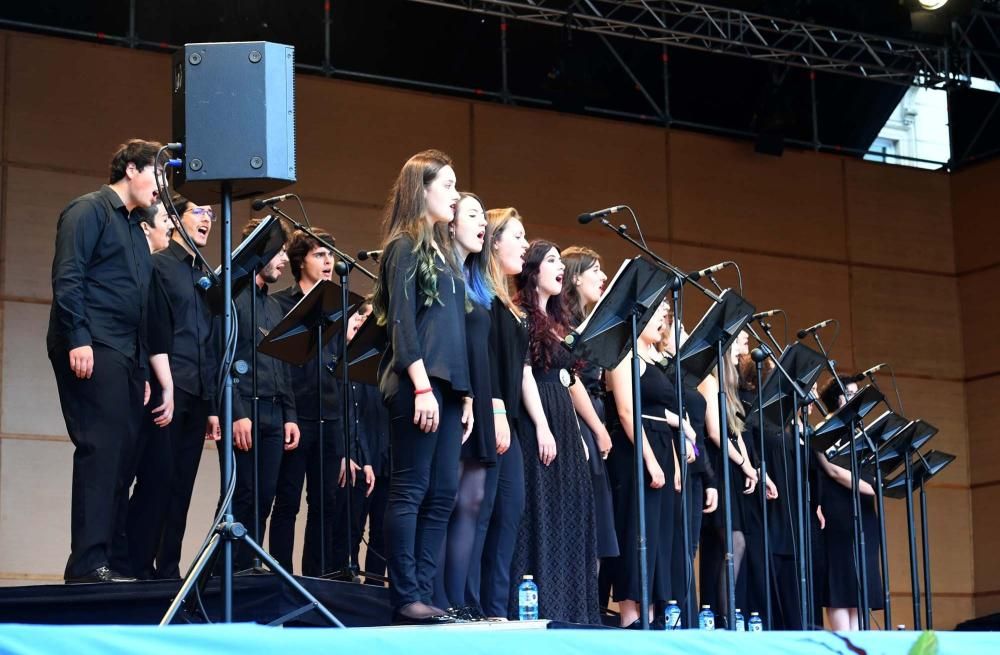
{"type": "Point", "coordinates": [918, 127]}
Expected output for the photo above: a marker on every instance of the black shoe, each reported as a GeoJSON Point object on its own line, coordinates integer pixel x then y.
{"type": "Point", "coordinates": [466, 613]}
{"type": "Point", "coordinates": [100, 574]}
{"type": "Point", "coordinates": [422, 616]}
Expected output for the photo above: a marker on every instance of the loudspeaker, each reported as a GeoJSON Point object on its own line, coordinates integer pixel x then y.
{"type": "Point", "coordinates": [234, 111]}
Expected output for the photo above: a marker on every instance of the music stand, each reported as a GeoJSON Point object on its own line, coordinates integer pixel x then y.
{"type": "Point", "coordinates": [301, 335]}
{"type": "Point", "coordinates": [604, 338]}
{"type": "Point", "coordinates": [704, 350]}
{"type": "Point", "coordinates": [926, 467]}
{"type": "Point", "coordinates": [239, 269]}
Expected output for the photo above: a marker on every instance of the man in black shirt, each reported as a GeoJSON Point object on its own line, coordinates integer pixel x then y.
{"type": "Point", "coordinates": [100, 288]}
{"type": "Point", "coordinates": [277, 421]}
{"type": "Point", "coordinates": [156, 527]}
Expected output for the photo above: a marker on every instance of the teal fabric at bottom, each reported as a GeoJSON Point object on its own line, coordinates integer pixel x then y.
{"type": "Point", "coordinates": [253, 639]}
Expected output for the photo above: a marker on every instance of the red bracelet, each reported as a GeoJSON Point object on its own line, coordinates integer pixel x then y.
{"type": "Point", "coordinates": [417, 392]}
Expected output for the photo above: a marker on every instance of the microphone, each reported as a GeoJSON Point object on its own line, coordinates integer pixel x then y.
{"type": "Point", "coordinates": [369, 254]}
{"type": "Point", "coordinates": [811, 330]}
{"type": "Point", "coordinates": [601, 213]}
{"type": "Point", "coordinates": [175, 146]}
{"type": "Point", "coordinates": [863, 374]}
{"type": "Point", "coordinates": [697, 275]}
{"type": "Point", "coordinates": [267, 202]}
{"type": "Point", "coordinates": [770, 312]}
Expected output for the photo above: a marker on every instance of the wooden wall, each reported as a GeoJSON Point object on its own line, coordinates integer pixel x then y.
{"type": "Point", "coordinates": [817, 235]}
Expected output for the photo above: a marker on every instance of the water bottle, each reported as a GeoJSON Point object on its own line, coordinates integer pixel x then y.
{"type": "Point", "coordinates": [527, 599]}
{"type": "Point", "coordinates": [706, 619]}
{"type": "Point", "coordinates": [672, 616]}
{"type": "Point", "coordinates": [741, 624]}
{"type": "Point", "coordinates": [756, 625]}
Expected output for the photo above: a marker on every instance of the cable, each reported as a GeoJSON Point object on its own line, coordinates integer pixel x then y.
{"type": "Point", "coordinates": [899, 400]}
{"type": "Point", "coordinates": [635, 219]}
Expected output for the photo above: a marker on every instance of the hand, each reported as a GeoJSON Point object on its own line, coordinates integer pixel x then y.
{"type": "Point", "coordinates": [546, 445]}
{"type": "Point", "coordinates": [819, 515]}
{"type": "Point", "coordinates": [603, 442]}
{"type": "Point", "coordinates": [467, 418]}
{"type": "Point", "coordinates": [502, 428]}
{"type": "Point", "coordinates": [369, 479]}
{"type": "Point", "coordinates": [342, 477]}
{"type": "Point", "coordinates": [291, 436]}
{"type": "Point", "coordinates": [677, 479]}
{"type": "Point", "coordinates": [711, 500]}
{"type": "Point", "coordinates": [751, 481]}
{"type": "Point", "coordinates": [212, 430]}
{"type": "Point", "coordinates": [426, 414]}
{"type": "Point", "coordinates": [81, 362]}
{"type": "Point", "coordinates": [692, 447]}
{"type": "Point", "coordinates": [243, 434]}
{"type": "Point", "coordinates": [146, 393]}
{"type": "Point", "coordinates": [770, 490]}
{"type": "Point", "coordinates": [689, 431]}
{"type": "Point", "coordinates": [165, 410]}
{"type": "Point", "coordinates": [656, 473]}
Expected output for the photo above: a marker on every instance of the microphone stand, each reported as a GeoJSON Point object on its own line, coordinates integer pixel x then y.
{"type": "Point", "coordinates": [345, 263]}
{"type": "Point", "coordinates": [675, 290]}
{"type": "Point", "coordinates": [880, 498]}
{"type": "Point", "coordinates": [758, 355]}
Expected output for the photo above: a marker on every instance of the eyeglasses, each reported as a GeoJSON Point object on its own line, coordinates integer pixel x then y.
{"type": "Point", "coordinates": [202, 211]}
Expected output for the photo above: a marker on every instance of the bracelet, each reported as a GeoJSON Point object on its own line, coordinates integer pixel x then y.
{"type": "Point", "coordinates": [417, 392]}
{"type": "Point", "coordinates": [499, 412]}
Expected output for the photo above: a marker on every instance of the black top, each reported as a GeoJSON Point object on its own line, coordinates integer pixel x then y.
{"type": "Point", "coordinates": [304, 383]}
{"type": "Point", "coordinates": [482, 443]}
{"type": "Point", "coordinates": [418, 329]}
{"type": "Point", "coordinates": [695, 407]}
{"type": "Point", "coordinates": [160, 327]}
{"type": "Point", "coordinates": [193, 356]}
{"type": "Point", "coordinates": [100, 276]}
{"type": "Point", "coordinates": [273, 379]}
{"type": "Point", "coordinates": [371, 418]}
{"type": "Point", "coordinates": [508, 352]}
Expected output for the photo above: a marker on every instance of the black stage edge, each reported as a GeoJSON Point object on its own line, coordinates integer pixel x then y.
{"type": "Point", "coordinates": [256, 598]}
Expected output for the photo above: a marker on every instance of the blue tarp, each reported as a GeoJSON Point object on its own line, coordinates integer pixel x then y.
{"type": "Point", "coordinates": [252, 639]}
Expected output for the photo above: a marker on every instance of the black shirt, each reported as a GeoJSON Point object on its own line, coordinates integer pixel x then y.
{"type": "Point", "coordinates": [273, 379]}
{"type": "Point", "coordinates": [433, 332]}
{"type": "Point", "coordinates": [372, 420]}
{"type": "Point", "coordinates": [482, 443]}
{"type": "Point", "coordinates": [304, 382]}
{"type": "Point", "coordinates": [508, 351]}
{"type": "Point", "coordinates": [100, 276]}
{"type": "Point", "coordinates": [193, 357]}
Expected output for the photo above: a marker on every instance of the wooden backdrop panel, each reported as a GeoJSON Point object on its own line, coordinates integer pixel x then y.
{"type": "Point", "coordinates": [987, 532]}
{"type": "Point", "coordinates": [980, 321]}
{"type": "Point", "coordinates": [941, 404]}
{"type": "Point", "coordinates": [30, 401]}
{"type": "Point", "coordinates": [981, 398]}
{"type": "Point", "coordinates": [973, 202]}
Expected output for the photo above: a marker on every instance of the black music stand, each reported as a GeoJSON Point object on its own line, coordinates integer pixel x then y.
{"type": "Point", "coordinates": [787, 388]}
{"type": "Point", "coordinates": [905, 443]}
{"type": "Point", "coordinates": [926, 467]}
{"type": "Point", "coordinates": [604, 339]}
{"type": "Point", "coordinates": [704, 350]}
{"type": "Point", "coordinates": [301, 335]}
{"type": "Point", "coordinates": [238, 270]}
{"type": "Point", "coordinates": [843, 424]}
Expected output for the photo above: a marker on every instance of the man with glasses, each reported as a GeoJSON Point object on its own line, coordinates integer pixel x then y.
{"type": "Point", "coordinates": [157, 520]}
{"type": "Point", "coordinates": [101, 275]}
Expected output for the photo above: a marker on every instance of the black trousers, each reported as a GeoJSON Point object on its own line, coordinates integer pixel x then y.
{"type": "Point", "coordinates": [422, 493]}
{"type": "Point", "coordinates": [301, 467]}
{"type": "Point", "coordinates": [501, 521]}
{"type": "Point", "coordinates": [340, 544]}
{"type": "Point", "coordinates": [374, 514]}
{"type": "Point", "coordinates": [187, 442]}
{"type": "Point", "coordinates": [102, 415]}
{"type": "Point", "coordinates": [270, 445]}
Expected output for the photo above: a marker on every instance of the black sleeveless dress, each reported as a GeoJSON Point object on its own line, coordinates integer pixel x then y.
{"type": "Point", "coordinates": [557, 539]}
{"type": "Point", "coordinates": [604, 514]}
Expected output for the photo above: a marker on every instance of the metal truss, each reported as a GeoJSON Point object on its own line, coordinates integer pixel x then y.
{"type": "Point", "coordinates": [700, 26]}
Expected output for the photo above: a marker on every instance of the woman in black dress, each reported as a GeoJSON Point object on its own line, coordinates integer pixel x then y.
{"type": "Point", "coordinates": [662, 477]}
{"type": "Point", "coordinates": [424, 379]}
{"type": "Point", "coordinates": [582, 288]}
{"type": "Point", "coordinates": [842, 575]}
{"type": "Point", "coordinates": [557, 539]}
{"type": "Point", "coordinates": [503, 505]}
{"type": "Point", "coordinates": [479, 453]}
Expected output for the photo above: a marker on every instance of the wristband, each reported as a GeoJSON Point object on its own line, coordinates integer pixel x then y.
{"type": "Point", "coordinates": [417, 392]}
{"type": "Point", "coordinates": [499, 411]}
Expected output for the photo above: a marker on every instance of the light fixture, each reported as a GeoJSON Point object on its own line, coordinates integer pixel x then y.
{"type": "Point", "coordinates": [932, 5]}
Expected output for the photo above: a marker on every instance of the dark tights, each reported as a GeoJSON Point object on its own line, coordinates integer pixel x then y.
{"type": "Point", "coordinates": [449, 588]}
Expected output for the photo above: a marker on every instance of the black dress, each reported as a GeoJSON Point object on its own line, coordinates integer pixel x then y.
{"type": "Point", "coordinates": [607, 541]}
{"type": "Point", "coordinates": [660, 504]}
{"type": "Point", "coordinates": [557, 539]}
{"type": "Point", "coordinates": [481, 445]}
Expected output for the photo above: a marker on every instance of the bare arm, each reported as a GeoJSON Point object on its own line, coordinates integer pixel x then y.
{"type": "Point", "coordinates": [842, 476]}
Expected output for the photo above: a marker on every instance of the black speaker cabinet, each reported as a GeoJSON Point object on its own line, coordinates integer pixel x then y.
{"type": "Point", "coordinates": [234, 111]}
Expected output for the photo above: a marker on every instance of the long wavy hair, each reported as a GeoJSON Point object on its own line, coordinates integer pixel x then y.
{"type": "Point", "coordinates": [545, 328]}
{"type": "Point", "coordinates": [497, 221]}
{"type": "Point", "coordinates": [577, 260]}
{"type": "Point", "coordinates": [478, 282]}
{"type": "Point", "coordinates": [734, 404]}
{"type": "Point", "coordinates": [406, 216]}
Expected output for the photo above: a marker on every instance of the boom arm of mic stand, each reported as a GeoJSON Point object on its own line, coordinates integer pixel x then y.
{"type": "Point", "coordinates": [659, 261]}
{"type": "Point", "coordinates": [350, 261]}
